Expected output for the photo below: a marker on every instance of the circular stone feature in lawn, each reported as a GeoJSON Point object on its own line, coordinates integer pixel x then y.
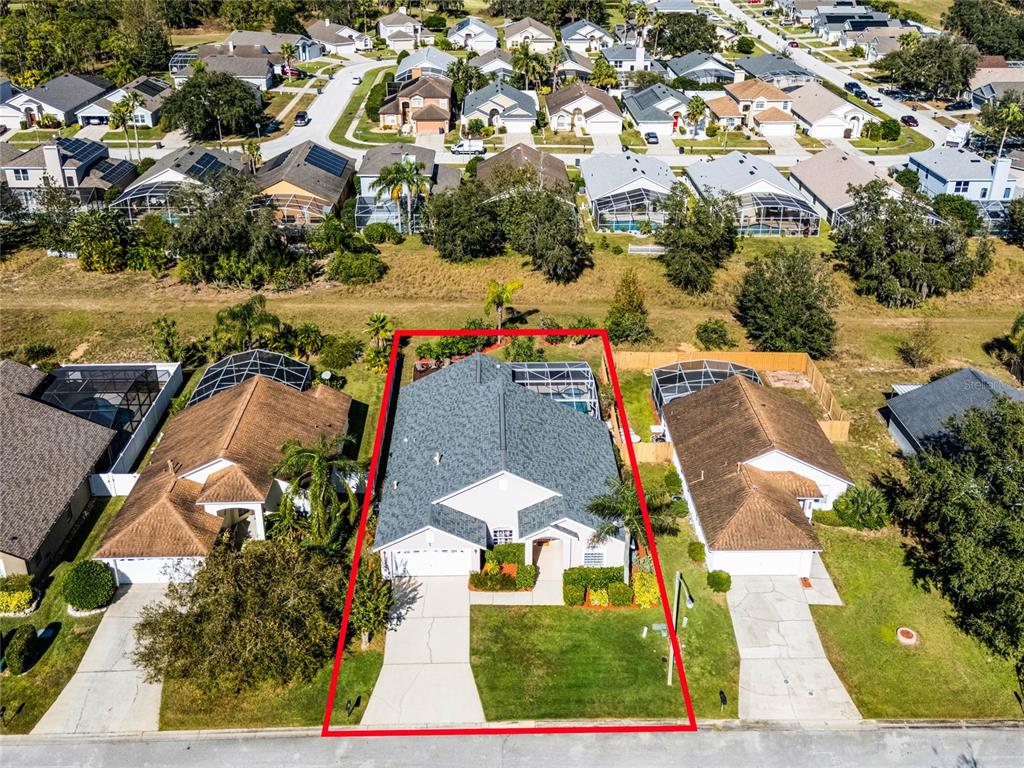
{"type": "Point", "coordinates": [906, 636]}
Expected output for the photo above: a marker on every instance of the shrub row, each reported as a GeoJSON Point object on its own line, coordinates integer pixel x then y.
{"type": "Point", "coordinates": [591, 578]}
{"type": "Point", "coordinates": [645, 590]}
{"type": "Point", "coordinates": [88, 585]}
{"type": "Point", "coordinates": [573, 594]}
{"type": "Point", "coordinates": [15, 594]}
{"type": "Point", "coordinates": [526, 576]}
{"type": "Point", "coordinates": [620, 594]}
{"type": "Point", "coordinates": [492, 581]}
{"type": "Point", "coordinates": [506, 553]}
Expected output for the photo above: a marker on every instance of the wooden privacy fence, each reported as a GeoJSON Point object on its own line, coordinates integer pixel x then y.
{"type": "Point", "coordinates": [836, 425]}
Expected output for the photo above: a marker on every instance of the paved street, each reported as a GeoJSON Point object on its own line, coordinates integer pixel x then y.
{"type": "Point", "coordinates": [108, 693]}
{"type": "Point", "coordinates": [862, 747]}
{"type": "Point", "coordinates": [426, 678]}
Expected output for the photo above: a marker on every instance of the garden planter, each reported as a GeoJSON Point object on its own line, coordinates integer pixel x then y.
{"type": "Point", "coordinates": [82, 614]}
{"type": "Point", "coordinates": [907, 636]}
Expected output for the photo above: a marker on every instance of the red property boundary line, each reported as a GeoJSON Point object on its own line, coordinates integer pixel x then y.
{"type": "Point", "coordinates": [371, 483]}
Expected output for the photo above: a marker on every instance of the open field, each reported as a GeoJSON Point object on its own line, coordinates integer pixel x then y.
{"type": "Point", "coordinates": [932, 10]}
{"type": "Point", "coordinates": [948, 675]}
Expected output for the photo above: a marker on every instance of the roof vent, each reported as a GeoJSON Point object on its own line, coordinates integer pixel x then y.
{"type": "Point", "coordinates": [394, 484]}
{"type": "Point", "coordinates": [437, 457]}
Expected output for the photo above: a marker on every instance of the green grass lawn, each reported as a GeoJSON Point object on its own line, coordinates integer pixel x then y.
{"type": "Point", "coordinates": [557, 662]}
{"type": "Point", "coordinates": [348, 114]}
{"type": "Point", "coordinates": [145, 134]}
{"type": "Point", "coordinates": [39, 135]}
{"type": "Point", "coordinates": [949, 675]}
{"type": "Point", "coordinates": [568, 138]}
{"type": "Point", "coordinates": [632, 138]}
{"type": "Point", "coordinates": [710, 656]}
{"type": "Point", "coordinates": [909, 141]}
{"type": "Point", "coordinates": [27, 697]}
{"type": "Point", "coordinates": [808, 142]}
{"type": "Point", "coordinates": [724, 142]}
{"type": "Point", "coordinates": [185, 706]}
{"type": "Point", "coordinates": [636, 396]}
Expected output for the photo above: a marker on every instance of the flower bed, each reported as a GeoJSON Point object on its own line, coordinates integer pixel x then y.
{"type": "Point", "coordinates": [505, 570]}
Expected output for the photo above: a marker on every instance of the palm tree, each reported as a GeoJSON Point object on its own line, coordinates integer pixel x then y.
{"type": "Point", "coordinates": [244, 326]}
{"type": "Point", "coordinates": [527, 63]}
{"type": "Point", "coordinates": [499, 296]}
{"type": "Point", "coordinates": [251, 150]}
{"type": "Point", "coordinates": [314, 473]}
{"type": "Point", "coordinates": [379, 328]}
{"type": "Point", "coordinates": [400, 179]}
{"type": "Point", "coordinates": [119, 119]}
{"type": "Point", "coordinates": [553, 59]}
{"type": "Point", "coordinates": [308, 340]}
{"type": "Point", "coordinates": [1011, 116]}
{"type": "Point", "coordinates": [620, 508]}
{"type": "Point", "coordinates": [643, 16]}
{"type": "Point", "coordinates": [657, 24]}
{"type": "Point", "coordinates": [131, 103]}
{"type": "Point", "coordinates": [288, 51]}
{"type": "Point", "coordinates": [695, 111]}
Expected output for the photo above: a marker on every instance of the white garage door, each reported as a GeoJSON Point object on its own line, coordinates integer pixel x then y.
{"type": "Point", "coordinates": [828, 131]}
{"type": "Point", "coordinates": [429, 562]}
{"type": "Point", "coordinates": [152, 570]}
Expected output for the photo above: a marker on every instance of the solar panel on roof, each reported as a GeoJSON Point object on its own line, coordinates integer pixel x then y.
{"type": "Point", "coordinates": [151, 87]}
{"type": "Point", "coordinates": [205, 165]}
{"type": "Point", "coordinates": [115, 171]}
{"type": "Point", "coordinates": [81, 150]}
{"type": "Point", "coordinates": [325, 160]}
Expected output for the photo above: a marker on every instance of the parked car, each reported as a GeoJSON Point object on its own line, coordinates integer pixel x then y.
{"type": "Point", "coordinates": [469, 147]}
{"type": "Point", "coordinates": [356, 79]}
{"type": "Point", "coordinates": [651, 137]}
{"type": "Point", "coordinates": [786, 23]}
{"type": "Point", "coordinates": [852, 85]}
{"type": "Point", "coordinates": [958, 106]}
{"type": "Point", "coordinates": [874, 101]}
{"type": "Point", "coordinates": [301, 119]}
{"type": "Point", "coordinates": [794, 44]}
{"type": "Point", "coordinates": [292, 72]}
{"type": "Point", "coordinates": [909, 120]}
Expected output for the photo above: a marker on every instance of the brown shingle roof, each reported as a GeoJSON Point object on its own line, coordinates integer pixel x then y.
{"type": "Point", "coordinates": [550, 170]}
{"type": "Point", "coordinates": [773, 115]}
{"type": "Point", "coordinates": [723, 106]}
{"type": "Point", "coordinates": [565, 96]}
{"type": "Point", "coordinates": [245, 425]}
{"type": "Point", "coordinates": [716, 431]}
{"type": "Point", "coordinates": [747, 90]}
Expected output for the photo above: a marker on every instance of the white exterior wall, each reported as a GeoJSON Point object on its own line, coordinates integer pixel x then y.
{"type": "Point", "coordinates": [537, 45]}
{"type": "Point", "coordinates": [497, 500]}
{"type": "Point", "coordinates": [518, 126]}
{"type": "Point", "coordinates": [777, 129]}
{"type": "Point", "coordinates": [664, 130]}
{"type": "Point", "coordinates": [200, 474]}
{"type": "Point", "coordinates": [777, 461]}
{"type": "Point", "coordinates": [152, 570]}
{"type": "Point", "coordinates": [830, 127]}
{"type": "Point", "coordinates": [795, 562]}
{"type": "Point", "coordinates": [412, 555]}
{"type": "Point", "coordinates": [478, 41]}
{"type": "Point", "coordinates": [604, 123]}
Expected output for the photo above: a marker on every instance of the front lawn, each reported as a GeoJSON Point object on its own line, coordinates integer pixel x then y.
{"type": "Point", "coordinates": [710, 656]}
{"type": "Point", "coordinates": [725, 141]}
{"type": "Point", "coordinates": [27, 697]}
{"type": "Point", "coordinates": [145, 134]}
{"type": "Point", "coordinates": [949, 675]}
{"type": "Point", "coordinates": [567, 138]}
{"type": "Point", "coordinates": [632, 138]}
{"type": "Point", "coordinates": [186, 706]}
{"type": "Point", "coordinates": [555, 662]}
{"type": "Point", "coordinates": [909, 141]}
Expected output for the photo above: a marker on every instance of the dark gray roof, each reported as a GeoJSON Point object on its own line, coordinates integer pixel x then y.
{"type": "Point", "coordinates": [321, 171]}
{"type": "Point", "coordinates": [389, 154]}
{"type": "Point", "coordinates": [922, 413]}
{"type": "Point", "coordinates": [641, 105]}
{"type": "Point", "coordinates": [681, 65]}
{"type": "Point", "coordinates": [486, 58]}
{"type": "Point", "coordinates": [495, 88]}
{"type": "Point", "coordinates": [469, 421]}
{"type": "Point", "coordinates": [45, 455]}
{"type": "Point", "coordinates": [769, 65]}
{"type": "Point", "coordinates": [70, 92]}
{"type": "Point", "coordinates": [196, 162]}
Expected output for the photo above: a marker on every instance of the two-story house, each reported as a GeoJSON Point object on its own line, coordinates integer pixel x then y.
{"type": "Point", "coordinates": [757, 105]}
{"type": "Point", "coordinates": [952, 171]}
{"type": "Point", "coordinates": [421, 106]}
{"type": "Point", "coordinates": [401, 32]}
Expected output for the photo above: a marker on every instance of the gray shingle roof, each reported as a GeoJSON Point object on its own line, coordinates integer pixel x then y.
{"type": "Point", "coordinates": [768, 65]}
{"type": "Point", "coordinates": [431, 58]}
{"type": "Point", "coordinates": [736, 171]}
{"type": "Point", "coordinates": [389, 154]}
{"type": "Point", "coordinates": [641, 104]}
{"type": "Point", "coordinates": [951, 163]}
{"type": "Point", "coordinates": [294, 166]}
{"type": "Point", "coordinates": [479, 24]}
{"type": "Point", "coordinates": [515, 27]}
{"type": "Point", "coordinates": [604, 174]}
{"type": "Point", "coordinates": [45, 455]}
{"type": "Point", "coordinates": [682, 65]}
{"type": "Point", "coordinates": [477, 422]}
{"type": "Point", "coordinates": [484, 59]}
{"type": "Point", "coordinates": [70, 92]}
{"type": "Point", "coordinates": [496, 88]}
{"type": "Point", "coordinates": [922, 413]}
{"type": "Point", "coordinates": [571, 29]}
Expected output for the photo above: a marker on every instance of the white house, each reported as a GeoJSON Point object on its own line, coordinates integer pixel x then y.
{"type": "Point", "coordinates": [701, 67]}
{"type": "Point", "coordinates": [152, 91]}
{"type": "Point", "coordinates": [58, 100]}
{"type": "Point", "coordinates": [624, 191]}
{"type": "Point", "coordinates": [580, 106]}
{"type": "Point", "coordinates": [473, 34]}
{"type": "Point", "coordinates": [951, 171]}
{"type": "Point", "coordinates": [584, 36]}
{"type": "Point", "coordinates": [256, 71]}
{"type": "Point", "coordinates": [627, 59]}
{"type": "Point", "coordinates": [539, 38]}
{"type": "Point", "coordinates": [825, 115]}
{"type": "Point", "coordinates": [401, 32]}
{"type": "Point", "coordinates": [499, 105]}
{"type": "Point", "coordinates": [80, 166]}
{"type": "Point", "coordinates": [496, 64]}
{"type": "Point", "coordinates": [210, 472]}
{"type": "Point", "coordinates": [306, 49]}
{"type": "Point", "coordinates": [508, 465]}
{"type": "Point", "coordinates": [661, 110]}
{"type": "Point", "coordinates": [573, 64]}
{"type": "Point", "coordinates": [826, 178]}
{"type": "Point", "coordinates": [755, 466]}
{"type": "Point", "coordinates": [338, 38]}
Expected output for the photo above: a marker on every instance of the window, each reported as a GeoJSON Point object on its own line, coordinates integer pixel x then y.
{"type": "Point", "coordinates": [502, 535]}
{"type": "Point", "coordinates": [593, 558]}
{"type": "Point", "coordinates": [759, 105]}
{"type": "Point", "coordinates": [417, 101]}
{"type": "Point", "coordinates": [1006, 193]}
{"type": "Point", "coordinates": [984, 192]}
{"type": "Point", "coordinates": [21, 174]}
{"type": "Point", "coordinates": [960, 187]}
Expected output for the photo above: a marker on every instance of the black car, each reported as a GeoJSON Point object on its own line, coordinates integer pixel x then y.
{"type": "Point", "coordinates": [651, 137]}
{"type": "Point", "coordinates": [301, 119]}
{"type": "Point", "coordinates": [852, 86]}
{"type": "Point", "coordinates": [958, 106]}
{"type": "Point", "coordinates": [909, 120]}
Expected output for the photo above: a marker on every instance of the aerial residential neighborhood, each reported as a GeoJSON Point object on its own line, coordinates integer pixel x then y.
{"type": "Point", "coordinates": [596, 383]}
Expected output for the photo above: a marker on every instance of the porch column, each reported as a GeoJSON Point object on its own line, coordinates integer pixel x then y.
{"type": "Point", "coordinates": [260, 529]}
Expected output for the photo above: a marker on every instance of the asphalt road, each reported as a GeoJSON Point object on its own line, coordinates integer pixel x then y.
{"type": "Point", "coordinates": [863, 747]}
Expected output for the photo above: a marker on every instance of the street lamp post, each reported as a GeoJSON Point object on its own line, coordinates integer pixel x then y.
{"type": "Point", "coordinates": [675, 619]}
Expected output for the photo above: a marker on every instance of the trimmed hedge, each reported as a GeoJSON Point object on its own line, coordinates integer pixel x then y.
{"type": "Point", "coordinates": [599, 597]}
{"type": "Point", "coordinates": [21, 649]}
{"type": "Point", "coordinates": [719, 581]}
{"type": "Point", "coordinates": [88, 585]}
{"type": "Point", "coordinates": [645, 587]}
{"type": "Point", "coordinates": [494, 581]}
{"type": "Point", "coordinates": [572, 594]}
{"type": "Point", "coordinates": [591, 578]}
{"type": "Point", "coordinates": [696, 552]}
{"type": "Point", "coordinates": [15, 593]}
{"type": "Point", "coordinates": [673, 483]}
{"type": "Point", "coordinates": [526, 576]}
{"type": "Point", "coordinates": [620, 594]}
{"type": "Point", "coordinates": [507, 553]}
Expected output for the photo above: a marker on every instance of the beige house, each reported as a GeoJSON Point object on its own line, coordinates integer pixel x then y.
{"type": "Point", "coordinates": [582, 107]}
{"type": "Point", "coordinates": [824, 115]}
{"type": "Point", "coordinates": [423, 106]}
{"type": "Point", "coordinates": [305, 183]}
{"type": "Point", "coordinates": [757, 105]}
{"type": "Point", "coordinates": [539, 38]}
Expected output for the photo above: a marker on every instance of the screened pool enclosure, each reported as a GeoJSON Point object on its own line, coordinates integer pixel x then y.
{"type": "Point", "coordinates": [569, 383]}
{"type": "Point", "coordinates": [235, 369]}
{"type": "Point", "coordinates": [770, 214]}
{"type": "Point", "coordinates": [686, 377]}
{"type": "Point", "coordinates": [623, 211]}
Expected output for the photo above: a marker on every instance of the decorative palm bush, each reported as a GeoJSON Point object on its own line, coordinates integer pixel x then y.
{"type": "Point", "coordinates": [862, 506]}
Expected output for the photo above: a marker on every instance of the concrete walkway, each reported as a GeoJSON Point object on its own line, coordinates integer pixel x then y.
{"type": "Point", "coordinates": [784, 673]}
{"type": "Point", "coordinates": [787, 145]}
{"type": "Point", "coordinates": [607, 143]}
{"type": "Point", "coordinates": [108, 693]}
{"type": "Point", "coordinates": [426, 678]}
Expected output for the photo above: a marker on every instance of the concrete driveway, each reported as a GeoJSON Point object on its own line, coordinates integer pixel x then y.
{"type": "Point", "coordinates": [784, 673]}
{"type": "Point", "coordinates": [108, 694]}
{"type": "Point", "coordinates": [426, 678]}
